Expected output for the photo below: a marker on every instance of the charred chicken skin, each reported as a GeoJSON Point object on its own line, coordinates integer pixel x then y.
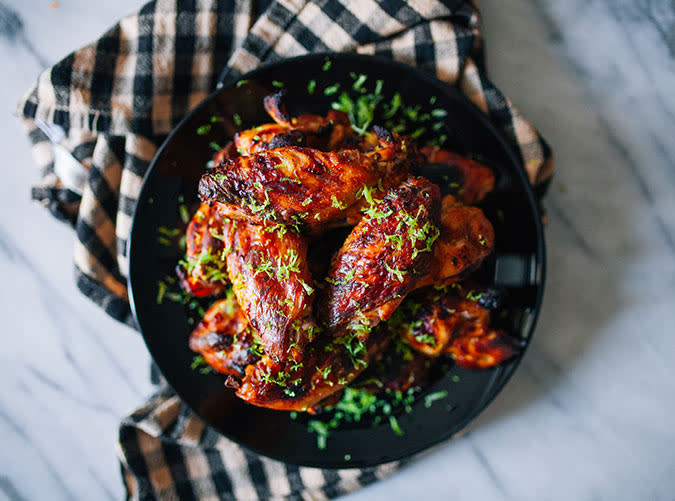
{"type": "Point", "coordinates": [275, 190]}
{"type": "Point", "coordinates": [455, 322]}
{"type": "Point", "coordinates": [203, 273]}
{"type": "Point", "coordinates": [470, 181]}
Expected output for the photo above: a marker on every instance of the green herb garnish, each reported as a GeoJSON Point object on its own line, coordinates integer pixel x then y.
{"type": "Point", "coordinates": [332, 89]}
{"type": "Point", "coordinates": [203, 130]}
{"type": "Point", "coordinates": [433, 397]}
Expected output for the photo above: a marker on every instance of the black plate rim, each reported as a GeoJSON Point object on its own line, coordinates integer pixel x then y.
{"type": "Point", "coordinates": [504, 377]}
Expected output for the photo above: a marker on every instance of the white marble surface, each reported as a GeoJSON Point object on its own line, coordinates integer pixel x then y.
{"type": "Point", "coordinates": [589, 415]}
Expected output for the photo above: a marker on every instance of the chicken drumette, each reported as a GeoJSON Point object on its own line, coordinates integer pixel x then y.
{"type": "Point", "coordinates": [304, 187]}
{"type": "Point", "coordinates": [456, 322]}
{"type": "Point", "coordinates": [202, 272]}
{"type": "Point", "coordinates": [468, 180]}
{"type": "Point", "coordinates": [267, 266]}
{"type": "Point", "coordinates": [225, 339]}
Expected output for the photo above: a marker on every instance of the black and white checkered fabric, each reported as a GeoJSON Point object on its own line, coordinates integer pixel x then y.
{"type": "Point", "coordinates": [97, 118]}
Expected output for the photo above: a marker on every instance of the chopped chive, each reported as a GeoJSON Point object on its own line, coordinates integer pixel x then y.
{"type": "Point", "coordinates": [439, 113]}
{"type": "Point", "coordinates": [203, 130]}
{"type": "Point", "coordinates": [419, 132]}
{"type": "Point", "coordinates": [329, 91]}
{"type": "Point", "coordinates": [393, 422]}
{"type": "Point", "coordinates": [327, 64]}
{"type": "Point", "coordinates": [432, 397]}
{"type": "Point", "coordinates": [394, 106]}
{"type": "Point", "coordinates": [241, 83]}
{"type": "Point", "coordinates": [184, 214]}
{"type": "Point", "coordinates": [237, 119]}
{"type": "Point", "coordinates": [161, 290]}
{"type": "Point", "coordinates": [358, 84]}
{"type": "Point", "coordinates": [215, 119]}
{"type": "Point", "coordinates": [215, 146]}
{"type": "Point", "coordinates": [432, 100]}
{"type": "Point", "coordinates": [311, 86]}
{"type": "Point", "coordinates": [378, 87]}
{"type": "Point", "coordinates": [277, 84]}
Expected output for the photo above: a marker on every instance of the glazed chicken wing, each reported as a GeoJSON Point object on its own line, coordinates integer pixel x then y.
{"type": "Point", "coordinates": [326, 367]}
{"type": "Point", "coordinates": [468, 180]}
{"type": "Point", "coordinates": [467, 238]}
{"type": "Point", "coordinates": [324, 133]}
{"type": "Point", "coordinates": [224, 338]}
{"type": "Point", "coordinates": [203, 273]}
{"type": "Point", "coordinates": [454, 321]}
{"type": "Point", "coordinates": [384, 256]}
{"type": "Point", "coordinates": [304, 187]}
{"type": "Point", "coordinates": [268, 269]}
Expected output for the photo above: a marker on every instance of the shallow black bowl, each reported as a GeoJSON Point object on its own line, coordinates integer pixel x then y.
{"type": "Point", "coordinates": [517, 266]}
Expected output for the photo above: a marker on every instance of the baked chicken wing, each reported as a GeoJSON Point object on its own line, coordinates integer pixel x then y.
{"type": "Point", "coordinates": [202, 272]}
{"type": "Point", "coordinates": [384, 256]}
{"type": "Point", "coordinates": [304, 187]}
{"type": "Point", "coordinates": [468, 180]}
{"type": "Point", "coordinates": [327, 133]}
{"type": "Point", "coordinates": [225, 339]}
{"type": "Point", "coordinates": [456, 322]}
{"type": "Point", "coordinates": [271, 281]}
{"type": "Point", "coordinates": [326, 367]}
{"type": "Point", "coordinates": [466, 239]}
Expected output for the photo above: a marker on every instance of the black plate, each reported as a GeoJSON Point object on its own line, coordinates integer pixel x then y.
{"type": "Point", "coordinates": [517, 266]}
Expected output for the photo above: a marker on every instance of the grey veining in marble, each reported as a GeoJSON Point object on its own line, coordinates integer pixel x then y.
{"type": "Point", "coordinates": [587, 416]}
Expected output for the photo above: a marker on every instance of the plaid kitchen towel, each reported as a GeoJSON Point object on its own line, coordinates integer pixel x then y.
{"type": "Point", "coordinates": [97, 117]}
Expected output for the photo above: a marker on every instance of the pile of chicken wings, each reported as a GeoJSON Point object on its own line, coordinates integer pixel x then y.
{"type": "Point", "coordinates": [312, 237]}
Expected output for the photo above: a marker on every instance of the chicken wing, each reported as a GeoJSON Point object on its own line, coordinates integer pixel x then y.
{"type": "Point", "coordinates": [271, 281]}
{"type": "Point", "coordinates": [468, 180]}
{"type": "Point", "coordinates": [225, 339]}
{"type": "Point", "coordinates": [305, 187]}
{"type": "Point", "coordinates": [202, 272]}
{"type": "Point", "coordinates": [326, 367]}
{"type": "Point", "coordinates": [384, 256]}
{"type": "Point", "coordinates": [324, 133]}
{"type": "Point", "coordinates": [466, 239]}
{"type": "Point", "coordinates": [454, 321]}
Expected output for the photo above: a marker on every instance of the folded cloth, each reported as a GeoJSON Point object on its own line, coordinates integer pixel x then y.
{"type": "Point", "coordinates": [97, 117]}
